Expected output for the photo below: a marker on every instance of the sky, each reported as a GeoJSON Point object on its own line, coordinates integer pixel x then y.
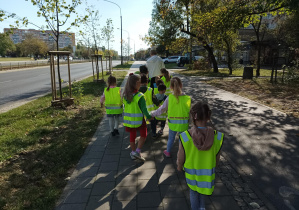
{"type": "Point", "coordinates": [136, 15]}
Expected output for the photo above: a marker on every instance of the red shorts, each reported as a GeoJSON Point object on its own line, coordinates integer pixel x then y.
{"type": "Point", "coordinates": [133, 131]}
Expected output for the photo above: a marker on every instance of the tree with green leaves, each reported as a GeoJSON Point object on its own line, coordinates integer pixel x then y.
{"type": "Point", "coordinates": [32, 46]}
{"type": "Point", "coordinates": [107, 32]}
{"type": "Point", "coordinates": [6, 44]}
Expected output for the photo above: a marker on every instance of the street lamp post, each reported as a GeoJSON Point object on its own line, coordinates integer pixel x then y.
{"type": "Point", "coordinates": [121, 32]}
{"type": "Point", "coordinates": [128, 41]}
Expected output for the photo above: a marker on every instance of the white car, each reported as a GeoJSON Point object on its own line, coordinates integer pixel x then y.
{"type": "Point", "coordinates": [171, 59]}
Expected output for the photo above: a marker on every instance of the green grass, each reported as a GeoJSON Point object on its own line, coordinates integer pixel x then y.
{"type": "Point", "coordinates": [224, 73]}
{"type": "Point", "coordinates": [40, 144]}
{"type": "Point", "coordinates": [171, 66]}
{"type": "Point", "coordinates": [125, 66]}
{"type": "Point", "coordinates": [16, 59]}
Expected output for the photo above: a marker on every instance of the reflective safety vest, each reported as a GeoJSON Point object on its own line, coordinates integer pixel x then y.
{"type": "Point", "coordinates": [200, 165]}
{"type": "Point", "coordinates": [162, 116]}
{"type": "Point", "coordinates": [167, 84]}
{"type": "Point", "coordinates": [113, 102]}
{"type": "Point", "coordinates": [148, 95]}
{"type": "Point", "coordinates": [132, 114]}
{"type": "Point", "coordinates": [156, 91]}
{"type": "Point", "coordinates": [178, 112]}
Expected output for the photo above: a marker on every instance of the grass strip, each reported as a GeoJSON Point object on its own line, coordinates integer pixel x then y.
{"type": "Point", "coordinates": [125, 66]}
{"type": "Point", "coordinates": [225, 73]}
{"type": "Point", "coordinates": [40, 145]}
{"type": "Point", "coordinates": [280, 96]}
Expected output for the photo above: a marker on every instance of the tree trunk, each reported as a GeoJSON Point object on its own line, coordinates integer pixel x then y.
{"type": "Point", "coordinates": [229, 57]}
{"type": "Point", "coordinates": [258, 64]}
{"type": "Point", "coordinates": [212, 58]}
{"type": "Point", "coordinates": [57, 39]}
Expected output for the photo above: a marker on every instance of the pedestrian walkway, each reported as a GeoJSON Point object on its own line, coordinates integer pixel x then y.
{"type": "Point", "coordinates": [107, 178]}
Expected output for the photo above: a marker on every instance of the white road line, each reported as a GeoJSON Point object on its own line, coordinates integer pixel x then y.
{"type": "Point", "coordinates": [6, 81]}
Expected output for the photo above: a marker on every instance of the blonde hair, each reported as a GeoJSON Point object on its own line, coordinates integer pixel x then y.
{"type": "Point", "coordinates": [130, 87]}
{"type": "Point", "coordinates": [176, 85]}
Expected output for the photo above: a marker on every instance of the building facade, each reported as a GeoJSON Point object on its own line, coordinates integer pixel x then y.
{"type": "Point", "coordinates": [65, 39]}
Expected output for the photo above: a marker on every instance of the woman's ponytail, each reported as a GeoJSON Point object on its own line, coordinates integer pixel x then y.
{"type": "Point", "coordinates": [176, 85]}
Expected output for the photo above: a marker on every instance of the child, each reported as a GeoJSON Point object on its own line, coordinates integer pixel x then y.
{"type": "Point", "coordinates": [198, 155]}
{"type": "Point", "coordinates": [135, 109]}
{"type": "Point", "coordinates": [178, 106]}
{"type": "Point", "coordinates": [150, 101]}
{"type": "Point", "coordinates": [143, 70]}
{"type": "Point", "coordinates": [166, 79]}
{"type": "Point", "coordinates": [113, 104]}
{"type": "Point", "coordinates": [161, 97]}
{"type": "Point", "coordinates": [159, 82]}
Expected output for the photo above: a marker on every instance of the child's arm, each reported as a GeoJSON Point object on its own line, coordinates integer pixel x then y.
{"type": "Point", "coordinates": [180, 157]}
{"type": "Point", "coordinates": [102, 100]}
{"type": "Point", "coordinates": [162, 109]}
{"type": "Point", "coordinates": [142, 106]}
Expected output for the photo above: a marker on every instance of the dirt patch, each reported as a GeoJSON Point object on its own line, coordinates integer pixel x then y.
{"type": "Point", "coordinates": [282, 97]}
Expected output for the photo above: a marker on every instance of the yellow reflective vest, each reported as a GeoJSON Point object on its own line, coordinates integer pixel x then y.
{"type": "Point", "coordinates": [133, 115]}
{"type": "Point", "coordinates": [167, 84]}
{"type": "Point", "coordinates": [178, 112]}
{"type": "Point", "coordinates": [148, 95]}
{"type": "Point", "coordinates": [162, 116]}
{"type": "Point", "coordinates": [113, 102]}
{"type": "Point", "coordinates": [200, 165]}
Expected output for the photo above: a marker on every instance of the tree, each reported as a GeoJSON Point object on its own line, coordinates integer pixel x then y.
{"type": "Point", "coordinates": [92, 28]}
{"type": "Point", "coordinates": [6, 44]}
{"type": "Point", "coordinates": [32, 46]}
{"type": "Point", "coordinates": [107, 32]}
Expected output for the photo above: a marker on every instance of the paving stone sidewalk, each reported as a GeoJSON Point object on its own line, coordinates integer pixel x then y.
{"type": "Point", "coordinates": [107, 178]}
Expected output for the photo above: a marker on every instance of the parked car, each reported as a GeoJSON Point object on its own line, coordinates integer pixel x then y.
{"type": "Point", "coordinates": [171, 59]}
{"type": "Point", "coordinates": [182, 60]}
{"type": "Point", "coordinates": [198, 57]}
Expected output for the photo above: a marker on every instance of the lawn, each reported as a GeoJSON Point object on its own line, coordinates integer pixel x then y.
{"type": "Point", "coordinates": [16, 59]}
{"type": "Point", "coordinates": [40, 145]}
{"type": "Point", "coordinates": [224, 73]}
{"type": "Point", "coordinates": [279, 96]}
{"type": "Point", "coordinates": [125, 66]}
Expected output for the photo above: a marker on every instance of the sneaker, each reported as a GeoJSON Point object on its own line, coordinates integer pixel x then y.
{"type": "Point", "coordinates": [160, 132]}
{"type": "Point", "coordinates": [138, 156]}
{"type": "Point", "coordinates": [113, 133]}
{"type": "Point", "coordinates": [154, 136]}
{"type": "Point", "coordinates": [167, 154]}
{"type": "Point", "coordinates": [116, 132]}
{"type": "Point", "coordinates": [132, 156]}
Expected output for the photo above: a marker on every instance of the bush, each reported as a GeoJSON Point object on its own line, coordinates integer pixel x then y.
{"type": "Point", "coordinates": [201, 64]}
{"type": "Point", "coordinates": [292, 73]}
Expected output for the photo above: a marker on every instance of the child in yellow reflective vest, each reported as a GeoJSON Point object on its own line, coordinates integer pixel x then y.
{"type": "Point", "coordinates": [134, 112]}
{"type": "Point", "coordinates": [177, 106]}
{"type": "Point", "coordinates": [198, 154]}
{"type": "Point", "coordinates": [113, 104]}
{"type": "Point", "coordinates": [166, 79]}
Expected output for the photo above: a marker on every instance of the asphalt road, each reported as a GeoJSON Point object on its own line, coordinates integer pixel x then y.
{"type": "Point", "coordinates": [262, 142]}
{"type": "Point", "coordinates": [20, 86]}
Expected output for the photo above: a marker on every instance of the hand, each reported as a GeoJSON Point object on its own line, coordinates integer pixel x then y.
{"type": "Point", "coordinates": [152, 118]}
{"type": "Point", "coordinates": [179, 168]}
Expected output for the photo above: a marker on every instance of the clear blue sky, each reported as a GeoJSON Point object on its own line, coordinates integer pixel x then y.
{"type": "Point", "coordinates": [136, 15]}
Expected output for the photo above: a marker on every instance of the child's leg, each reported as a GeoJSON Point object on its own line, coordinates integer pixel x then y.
{"type": "Point", "coordinates": [143, 134]}
{"type": "Point", "coordinates": [111, 123]}
{"type": "Point", "coordinates": [132, 140]}
{"type": "Point", "coordinates": [153, 126]}
{"type": "Point", "coordinates": [116, 122]}
{"type": "Point", "coordinates": [197, 200]}
{"type": "Point", "coordinates": [163, 124]}
{"type": "Point", "coordinates": [171, 137]}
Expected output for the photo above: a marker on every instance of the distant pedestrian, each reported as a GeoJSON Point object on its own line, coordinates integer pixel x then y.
{"type": "Point", "coordinates": [154, 65]}
{"type": "Point", "coordinates": [166, 79]}
{"type": "Point", "coordinates": [198, 155]}
{"type": "Point", "coordinates": [113, 104]}
{"type": "Point", "coordinates": [178, 107]}
{"type": "Point", "coordinates": [134, 112]}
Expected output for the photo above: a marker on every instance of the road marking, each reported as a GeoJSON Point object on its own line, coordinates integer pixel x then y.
{"type": "Point", "coordinates": [6, 81]}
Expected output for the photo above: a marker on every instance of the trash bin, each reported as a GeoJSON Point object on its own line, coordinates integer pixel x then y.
{"type": "Point", "coordinates": [248, 73]}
